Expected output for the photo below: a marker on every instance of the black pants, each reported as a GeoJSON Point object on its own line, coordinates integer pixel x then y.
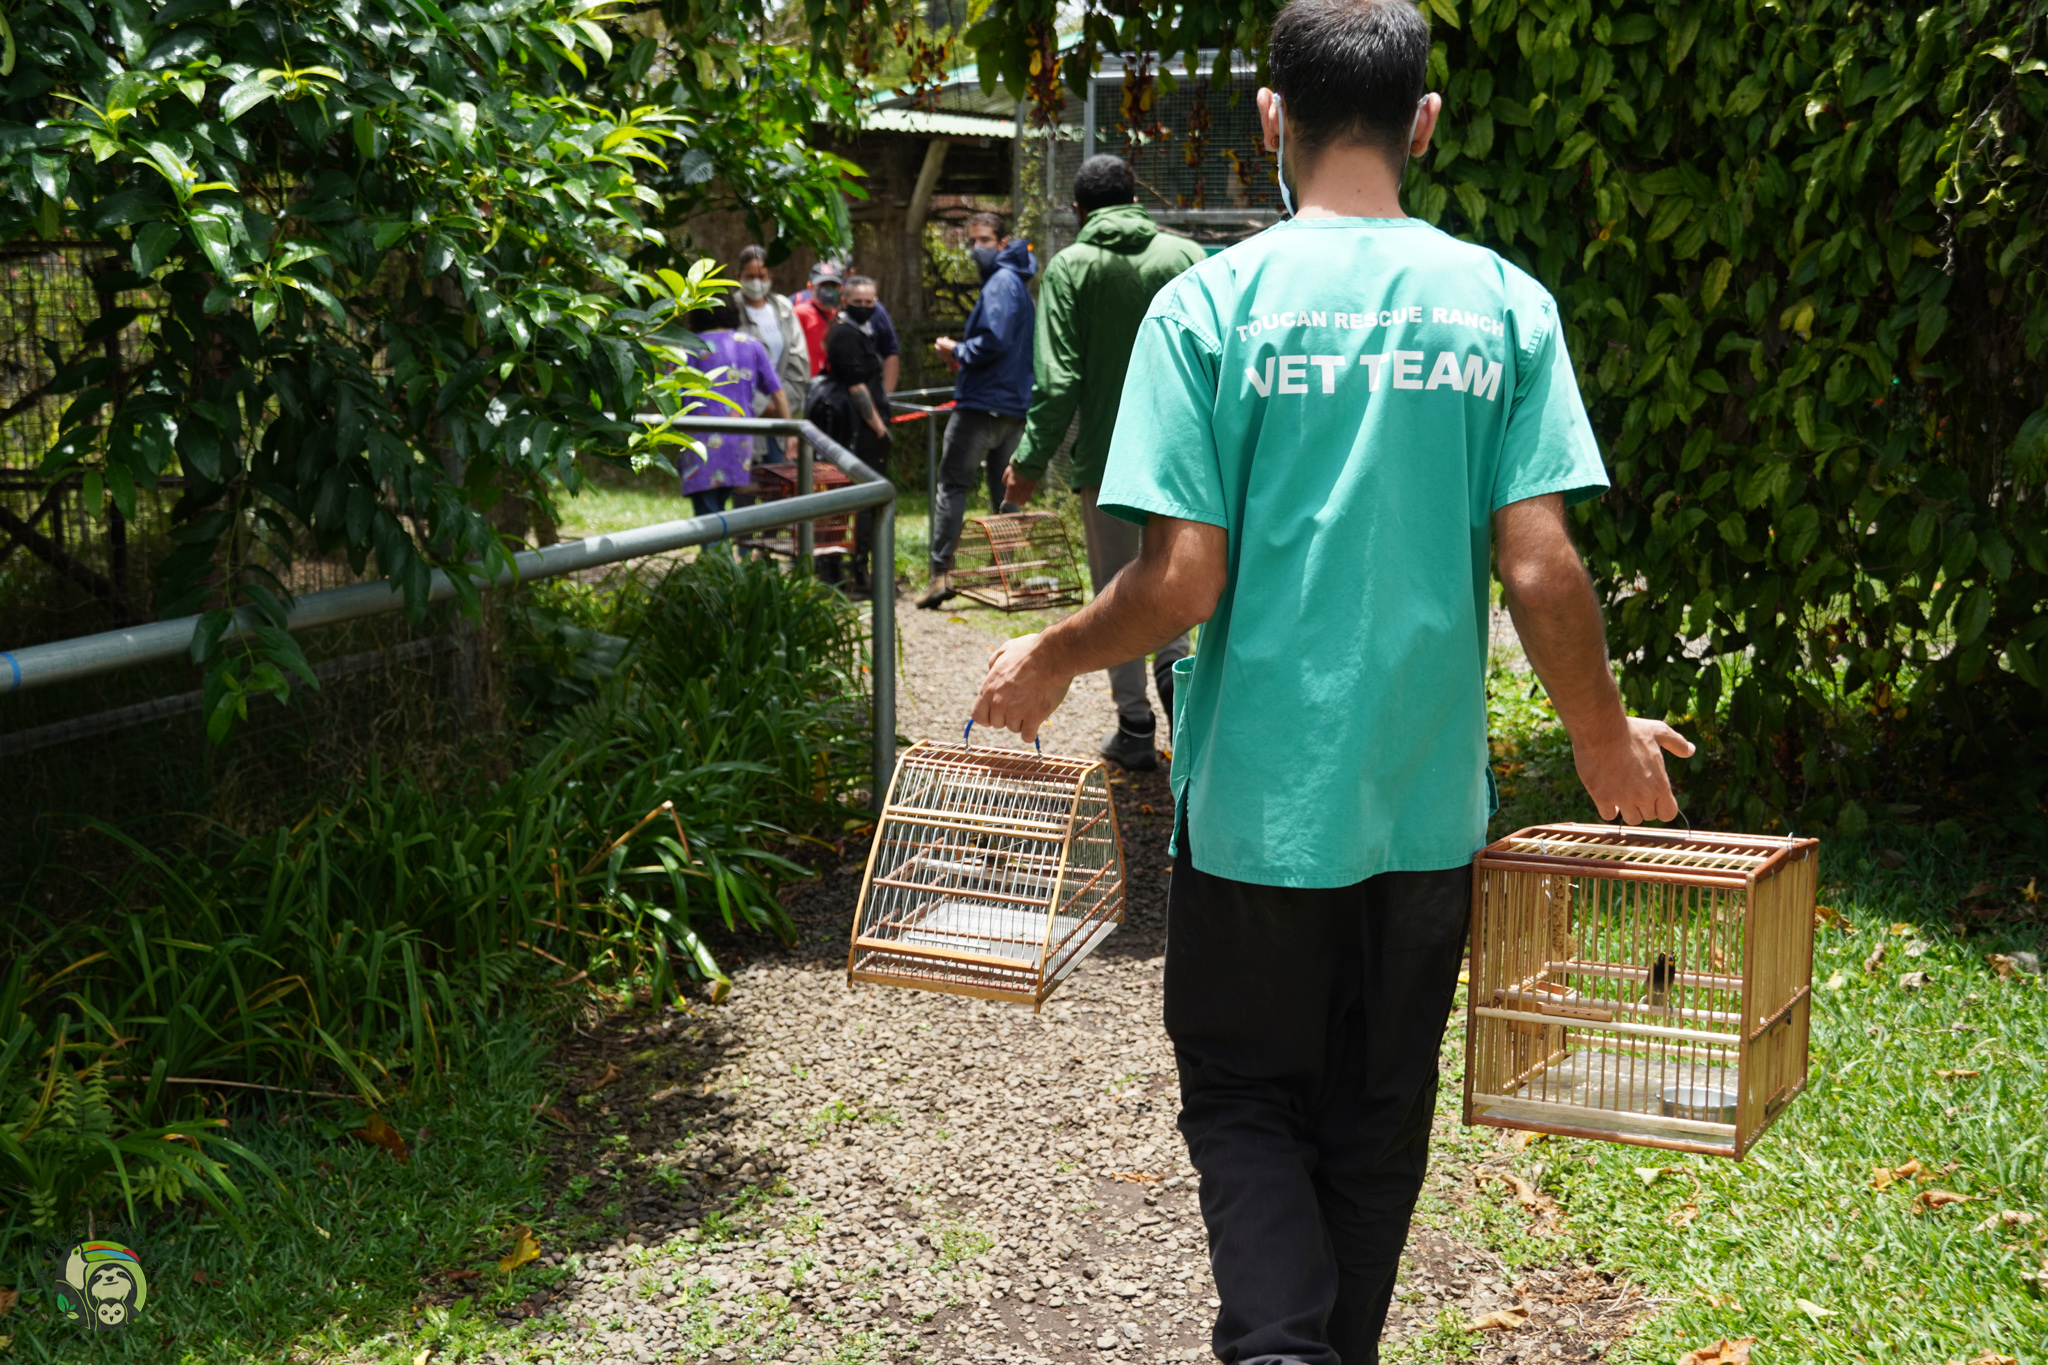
{"type": "Point", "coordinates": [978, 448]}
{"type": "Point", "coordinates": [872, 451]}
{"type": "Point", "coordinates": [1306, 1026]}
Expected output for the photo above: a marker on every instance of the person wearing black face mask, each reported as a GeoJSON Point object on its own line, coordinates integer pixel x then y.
{"type": "Point", "coordinates": [991, 394]}
{"type": "Point", "coordinates": [848, 403]}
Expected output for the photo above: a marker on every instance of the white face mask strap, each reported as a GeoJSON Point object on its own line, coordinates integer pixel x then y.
{"type": "Point", "coordinates": [1280, 162]}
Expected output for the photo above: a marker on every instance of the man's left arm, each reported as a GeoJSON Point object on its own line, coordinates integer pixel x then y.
{"type": "Point", "coordinates": [1056, 378]}
{"type": "Point", "coordinates": [1174, 584]}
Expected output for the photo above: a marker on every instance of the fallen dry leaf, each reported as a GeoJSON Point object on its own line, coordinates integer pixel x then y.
{"type": "Point", "coordinates": [1499, 1320]}
{"type": "Point", "coordinates": [1912, 981]}
{"type": "Point", "coordinates": [524, 1249]}
{"type": "Point", "coordinates": [1938, 1199]}
{"type": "Point", "coordinates": [1824, 915]}
{"type": "Point", "coordinates": [1523, 1192]}
{"type": "Point", "coordinates": [1682, 1215]}
{"type": "Point", "coordinates": [8, 1298]}
{"type": "Point", "coordinates": [376, 1130]}
{"type": "Point", "coordinates": [2036, 1280]}
{"type": "Point", "coordinates": [200, 1276]}
{"type": "Point", "coordinates": [2006, 1218]}
{"type": "Point", "coordinates": [1902, 929]}
{"type": "Point", "coordinates": [1988, 1358]}
{"type": "Point", "coordinates": [1734, 1352]}
{"type": "Point", "coordinates": [1875, 960]}
{"type": "Point", "coordinates": [666, 1092]}
{"type": "Point", "coordinates": [1958, 1075]}
{"type": "Point", "coordinates": [1813, 1310]}
{"type": "Point", "coordinates": [611, 1074]}
{"type": "Point", "coordinates": [1136, 1177]}
{"type": "Point", "coordinates": [2000, 963]}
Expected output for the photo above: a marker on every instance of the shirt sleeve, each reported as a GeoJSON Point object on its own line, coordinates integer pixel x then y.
{"type": "Point", "coordinates": [886, 343]}
{"type": "Point", "coordinates": [765, 378]}
{"type": "Point", "coordinates": [1056, 373]}
{"type": "Point", "coordinates": [1549, 446]}
{"type": "Point", "coordinates": [1162, 457]}
{"type": "Point", "coordinates": [991, 321]}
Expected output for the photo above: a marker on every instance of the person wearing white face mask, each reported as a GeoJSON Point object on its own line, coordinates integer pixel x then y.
{"type": "Point", "coordinates": [770, 318]}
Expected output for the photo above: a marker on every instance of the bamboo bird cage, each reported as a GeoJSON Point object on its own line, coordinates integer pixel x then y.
{"type": "Point", "coordinates": [1644, 986]}
{"type": "Point", "coordinates": [993, 873]}
{"type": "Point", "coordinates": [1017, 561]}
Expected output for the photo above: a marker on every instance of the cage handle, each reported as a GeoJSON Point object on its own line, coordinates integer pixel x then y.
{"type": "Point", "coordinates": [967, 737]}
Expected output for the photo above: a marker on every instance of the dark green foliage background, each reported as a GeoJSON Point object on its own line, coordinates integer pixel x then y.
{"type": "Point", "coordinates": [1799, 247]}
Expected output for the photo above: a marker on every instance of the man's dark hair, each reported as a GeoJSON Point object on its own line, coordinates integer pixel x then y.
{"type": "Point", "coordinates": [856, 281]}
{"type": "Point", "coordinates": [1350, 71]}
{"type": "Point", "coordinates": [751, 253]}
{"type": "Point", "coordinates": [1103, 182]}
{"type": "Point", "coordinates": [988, 219]}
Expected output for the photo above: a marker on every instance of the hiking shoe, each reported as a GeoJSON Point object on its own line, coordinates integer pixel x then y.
{"type": "Point", "coordinates": [1132, 750]}
{"type": "Point", "coordinates": [938, 594]}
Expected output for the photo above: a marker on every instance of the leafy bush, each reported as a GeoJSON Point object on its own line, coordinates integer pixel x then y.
{"type": "Point", "coordinates": [378, 265]}
{"type": "Point", "coordinates": [357, 945]}
{"type": "Point", "coordinates": [1799, 249]}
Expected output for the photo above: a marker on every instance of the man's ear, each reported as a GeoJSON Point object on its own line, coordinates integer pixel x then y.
{"type": "Point", "coordinates": [1269, 120]}
{"type": "Point", "coordinates": [1426, 115]}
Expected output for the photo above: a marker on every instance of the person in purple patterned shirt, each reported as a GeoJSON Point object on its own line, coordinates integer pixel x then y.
{"type": "Point", "coordinates": [739, 368]}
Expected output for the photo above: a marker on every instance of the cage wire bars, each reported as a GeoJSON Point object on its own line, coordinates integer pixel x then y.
{"type": "Point", "coordinates": [993, 873]}
{"type": "Point", "coordinates": [1642, 986]}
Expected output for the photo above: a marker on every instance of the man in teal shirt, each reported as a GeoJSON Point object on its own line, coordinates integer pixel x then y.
{"type": "Point", "coordinates": [1327, 431]}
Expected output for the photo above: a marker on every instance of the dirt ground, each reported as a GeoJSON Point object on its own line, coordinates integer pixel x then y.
{"type": "Point", "coordinates": [814, 1172]}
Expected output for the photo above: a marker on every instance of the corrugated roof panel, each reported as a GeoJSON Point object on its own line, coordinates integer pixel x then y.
{"type": "Point", "coordinates": [939, 125]}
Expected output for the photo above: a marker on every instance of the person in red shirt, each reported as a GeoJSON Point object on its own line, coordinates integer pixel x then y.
{"type": "Point", "coordinates": [815, 313]}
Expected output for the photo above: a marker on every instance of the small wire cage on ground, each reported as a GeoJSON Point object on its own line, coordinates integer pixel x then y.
{"type": "Point", "coordinates": [1017, 561]}
{"type": "Point", "coordinates": [993, 873]}
{"type": "Point", "coordinates": [1645, 986]}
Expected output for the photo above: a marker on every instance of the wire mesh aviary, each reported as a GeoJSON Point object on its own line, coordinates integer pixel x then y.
{"type": "Point", "coordinates": [1644, 986]}
{"type": "Point", "coordinates": [1018, 561]}
{"type": "Point", "coordinates": [993, 873]}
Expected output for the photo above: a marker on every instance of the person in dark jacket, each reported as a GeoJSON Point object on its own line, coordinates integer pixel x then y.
{"type": "Point", "coordinates": [991, 394]}
{"type": "Point", "coordinates": [1092, 299]}
{"type": "Point", "coordinates": [848, 405]}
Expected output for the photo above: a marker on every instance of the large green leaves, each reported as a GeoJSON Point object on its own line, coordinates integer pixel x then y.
{"type": "Point", "coordinates": [1800, 249]}
{"type": "Point", "coordinates": [394, 263]}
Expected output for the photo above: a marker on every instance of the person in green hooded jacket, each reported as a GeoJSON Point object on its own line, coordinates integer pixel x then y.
{"type": "Point", "coordinates": [1090, 303]}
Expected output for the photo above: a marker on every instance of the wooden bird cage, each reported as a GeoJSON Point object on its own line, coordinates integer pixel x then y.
{"type": "Point", "coordinates": [1017, 561]}
{"type": "Point", "coordinates": [773, 482]}
{"type": "Point", "coordinates": [1637, 985]}
{"type": "Point", "coordinates": [993, 873]}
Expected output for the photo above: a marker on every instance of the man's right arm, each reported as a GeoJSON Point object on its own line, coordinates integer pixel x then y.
{"type": "Point", "coordinates": [1055, 383]}
{"type": "Point", "coordinates": [1620, 757]}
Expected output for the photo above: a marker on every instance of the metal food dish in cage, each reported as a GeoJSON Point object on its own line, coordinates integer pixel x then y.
{"type": "Point", "coordinates": [1017, 561]}
{"type": "Point", "coordinates": [993, 873]}
{"type": "Point", "coordinates": [1644, 986]}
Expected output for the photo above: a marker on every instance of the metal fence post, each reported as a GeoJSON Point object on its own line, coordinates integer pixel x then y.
{"type": "Point", "coordinates": [882, 630]}
{"type": "Point", "coordinates": [805, 534]}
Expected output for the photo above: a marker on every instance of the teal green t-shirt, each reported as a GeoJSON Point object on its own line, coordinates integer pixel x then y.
{"type": "Point", "coordinates": [1352, 399]}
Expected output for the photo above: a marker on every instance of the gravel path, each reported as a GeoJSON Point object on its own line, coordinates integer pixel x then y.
{"type": "Point", "coordinates": [818, 1173]}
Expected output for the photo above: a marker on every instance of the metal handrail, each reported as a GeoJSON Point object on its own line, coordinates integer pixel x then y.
{"type": "Point", "coordinates": [89, 655]}
{"type": "Point", "coordinates": [933, 411]}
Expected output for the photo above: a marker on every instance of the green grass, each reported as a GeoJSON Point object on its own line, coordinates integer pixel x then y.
{"type": "Point", "coordinates": [328, 1256]}
{"type": "Point", "coordinates": [1793, 1245]}
{"type": "Point", "coordinates": [603, 508]}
